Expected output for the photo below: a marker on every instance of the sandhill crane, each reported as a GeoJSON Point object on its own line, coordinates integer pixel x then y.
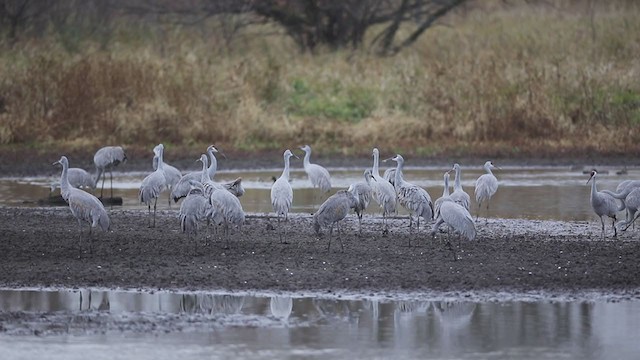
{"type": "Point", "coordinates": [194, 209]}
{"type": "Point", "coordinates": [486, 187]}
{"type": "Point", "coordinates": [84, 206]}
{"type": "Point", "coordinates": [445, 195]}
{"type": "Point", "coordinates": [604, 204]}
{"type": "Point", "coordinates": [363, 191]}
{"type": "Point", "coordinates": [153, 185]}
{"type": "Point", "coordinates": [78, 178]}
{"type": "Point", "coordinates": [383, 191]}
{"type": "Point", "coordinates": [182, 188]}
{"type": "Point", "coordinates": [457, 217]}
{"type": "Point", "coordinates": [623, 189]}
{"type": "Point", "coordinates": [318, 175]}
{"type": "Point", "coordinates": [229, 209]}
{"type": "Point", "coordinates": [282, 193]}
{"type": "Point", "coordinates": [630, 197]}
{"type": "Point", "coordinates": [459, 195]}
{"type": "Point", "coordinates": [235, 187]}
{"type": "Point", "coordinates": [171, 174]}
{"type": "Point", "coordinates": [107, 158]}
{"type": "Point", "coordinates": [332, 210]}
{"type": "Point", "coordinates": [412, 197]}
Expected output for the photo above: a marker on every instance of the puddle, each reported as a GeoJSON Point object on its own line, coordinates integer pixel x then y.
{"type": "Point", "coordinates": [74, 324]}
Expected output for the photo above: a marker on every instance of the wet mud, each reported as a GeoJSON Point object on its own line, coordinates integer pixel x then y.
{"type": "Point", "coordinates": [40, 247]}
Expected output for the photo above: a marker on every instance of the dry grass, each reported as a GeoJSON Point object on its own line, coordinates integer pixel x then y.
{"type": "Point", "coordinates": [504, 80]}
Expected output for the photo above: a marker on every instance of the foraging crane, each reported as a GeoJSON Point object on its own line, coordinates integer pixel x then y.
{"type": "Point", "coordinates": [604, 204]}
{"type": "Point", "coordinates": [171, 174]}
{"type": "Point", "coordinates": [182, 188]}
{"type": "Point", "coordinates": [457, 217]}
{"type": "Point", "coordinates": [459, 195]}
{"type": "Point", "coordinates": [153, 185]}
{"type": "Point", "coordinates": [363, 191]}
{"type": "Point", "coordinates": [105, 159]}
{"type": "Point", "coordinates": [412, 197]}
{"type": "Point", "coordinates": [383, 191]}
{"type": "Point", "coordinates": [282, 193]}
{"type": "Point", "coordinates": [318, 175]}
{"type": "Point", "coordinates": [194, 209]}
{"type": "Point", "coordinates": [78, 178]}
{"type": "Point", "coordinates": [630, 197]}
{"type": "Point", "coordinates": [332, 210]}
{"type": "Point", "coordinates": [486, 187]}
{"type": "Point", "coordinates": [445, 195]}
{"type": "Point", "coordinates": [84, 206]}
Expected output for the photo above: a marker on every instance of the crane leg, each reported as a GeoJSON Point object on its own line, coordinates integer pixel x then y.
{"type": "Point", "coordinates": [613, 225]}
{"type": "Point", "coordinates": [111, 177]}
{"type": "Point", "coordinates": [155, 203]}
{"type": "Point", "coordinates": [80, 237]}
{"type": "Point", "coordinates": [149, 215]}
{"type": "Point", "coordinates": [602, 221]}
{"type": "Point", "coordinates": [478, 213]}
{"type": "Point", "coordinates": [102, 188]}
{"type": "Point", "coordinates": [330, 233]}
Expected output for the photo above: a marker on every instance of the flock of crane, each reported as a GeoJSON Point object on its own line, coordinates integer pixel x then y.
{"type": "Point", "coordinates": [208, 201]}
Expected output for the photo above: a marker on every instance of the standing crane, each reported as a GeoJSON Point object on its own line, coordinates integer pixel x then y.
{"type": "Point", "coordinates": [445, 195]}
{"type": "Point", "coordinates": [604, 204]}
{"type": "Point", "coordinates": [630, 197]}
{"type": "Point", "coordinates": [171, 174]}
{"type": "Point", "coordinates": [84, 206]}
{"type": "Point", "coordinates": [332, 210]}
{"type": "Point", "coordinates": [364, 192]}
{"type": "Point", "coordinates": [282, 193]}
{"type": "Point", "coordinates": [107, 158]}
{"type": "Point", "coordinates": [456, 217]}
{"type": "Point", "coordinates": [318, 175]}
{"type": "Point", "coordinates": [384, 192]}
{"type": "Point", "coordinates": [486, 187]}
{"type": "Point", "coordinates": [153, 185]}
{"type": "Point", "coordinates": [412, 197]}
{"type": "Point", "coordinates": [194, 209]}
{"type": "Point", "coordinates": [459, 195]}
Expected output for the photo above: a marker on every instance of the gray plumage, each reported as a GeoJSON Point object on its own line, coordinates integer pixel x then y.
{"type": "Point", "coordinates": [182, 188]}
{"type": "Point", "coordinates": [456, 217]}
{"type": "Point", "coordinates": [623, 189]}
{"type": "Point", "coordinates": [107, 158]}
{"type": "Point", "coordinates": [627, 185]}
{"type": "Point", "coordinates": [235, 187]}
{"type": "Point", "coordinates": [604, 204]}
{"type": "Point", "coordinates": [152, 185]}
{"type": "Point", "coordinates": [384, 192]}
{"type": "Point", "coordinates": [318, 175]}
{"type": "Point", "coordinates": [390, 175]}
{"type": "Point", "coordinates": [171, 174]}
{"type": "Point", "coordinates": [363, 192]}
{"type": "Point", "coordinates": [486, 187]}
{"type": "Point", "coordinates": [195, 208]}
{"type": "Point", "coordinates": [334, 209]}
{"type": "Point", "coordinates": [78, 178]}
{"type": "Point", "coordinates": [84, 206]}
{"type": "Point", "coordinates": [459, 195]}
{"type": "Point", "coordinates": [412, 197]}
{"type": "Point", "coordinates": [630, 197]}
{"type": "Point", "coordinates": [228, 210]}
{"type": "Point", "coordinates": [445, 195]}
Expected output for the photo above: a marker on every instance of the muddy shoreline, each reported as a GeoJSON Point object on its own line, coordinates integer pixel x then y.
{"type": "Point", "coordinates": [40, 248]}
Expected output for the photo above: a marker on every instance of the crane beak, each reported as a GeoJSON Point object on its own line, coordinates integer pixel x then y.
{"type": "Point", "coordinates": [294, 155]}
{"type": "Point", "coordinates": [56, 163]}
{"type": "Point", "coordinates": [221, 153]}
{"type": "Point", "coordinates": [388, 159]}
{"type": "Point", "coordinates": [590, 177]}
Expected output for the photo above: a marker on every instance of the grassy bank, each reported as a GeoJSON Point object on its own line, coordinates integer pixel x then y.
{"type": "Point", "coordinates": [505, 80]}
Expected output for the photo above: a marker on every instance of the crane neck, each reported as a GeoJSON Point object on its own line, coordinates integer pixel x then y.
{"type": "Point", "coordinates": [445, 192]}
{"type": "Point", "coordinates": [213, 164]}
{"type": "Point", "coordinates": [487, 168]}
{"type": "Point", "coordinates": [399, 167]}
{"type": "Point", "coordinates": [307, 158]}
{"type": "Point", "coordinates": [456, 183]}
{"type": "Point", "coordinates": [594, 188]}
{"type": "Point", "coordinates": [205, 177]}
{"type": "Point", "coordinates": [376, 159]}
{"type": "Point", "coordinates": [65, 187]}
{"type": "Point", "coordinates": [160, 160]}
{"type": "Point", "coordinates": [285, 172]}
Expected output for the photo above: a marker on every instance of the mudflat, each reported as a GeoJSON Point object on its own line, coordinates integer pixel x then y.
{"type": "Point", "coordinates": [41, 247]}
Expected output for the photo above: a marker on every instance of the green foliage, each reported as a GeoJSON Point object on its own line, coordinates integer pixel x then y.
{"type": "Point", "coordinates": [333, 101]}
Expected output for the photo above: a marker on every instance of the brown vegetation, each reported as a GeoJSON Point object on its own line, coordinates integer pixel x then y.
{"type": "Point", "coordinates": [498, 79]}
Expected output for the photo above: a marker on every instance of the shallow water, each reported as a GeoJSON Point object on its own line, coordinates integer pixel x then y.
{"type": "Point", "coordinates": [549, 193]}
{"type": "Point", "coordinates": [118, 324]}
